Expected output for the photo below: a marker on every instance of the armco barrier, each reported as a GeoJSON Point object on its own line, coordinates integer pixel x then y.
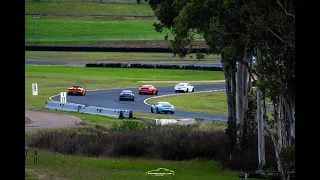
{"type": "Point", "coordinates": [127, 113]}
{"type": "Point", "coordinates": [54, 105]}
{"type": "Point", "coordinates": [72, 107]}
{"type": "Point", "coordinates": [154, 66]}
{"type": "Point", "coordinates": [114, 113]}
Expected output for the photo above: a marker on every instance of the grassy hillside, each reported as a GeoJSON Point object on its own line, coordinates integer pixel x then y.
{"type": "Point", "coordinates": [71, 30]}
{"type": "Point", "coordinates": [87, 8]}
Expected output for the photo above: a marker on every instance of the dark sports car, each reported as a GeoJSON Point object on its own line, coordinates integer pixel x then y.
{"type": "Point", "coordinates": [126, 95]}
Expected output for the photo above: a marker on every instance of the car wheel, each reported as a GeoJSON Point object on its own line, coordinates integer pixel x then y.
{"type": "Point", "coordinates": [175, 91]}
{"type": "Point", "coordinates": [140, 93]}
{"type": "Point", "coordinates": [132, 99]}
{"type": "Point", "coordinates": [158, 110]}
{"type": "Point", "coordinates": [156, 92]}
{"type": "Point", "coordinates": [187, 90]}
{"type": "Point", "coordinates": [152, 110]}
{"type": "Point", "coordinates": [192, 89]}
{"type": "Point", "coordinates": [172, 112]}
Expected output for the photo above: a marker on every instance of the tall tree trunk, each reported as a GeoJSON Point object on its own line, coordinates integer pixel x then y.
{"type": "Point", "coordinates": [278, 143]}
{"type": "Point", "coordinates": [277, 149]}
{"type": "Point", "coordinates": [243, 88]}
{"type": "Point", "coordinates": [289, 111]}
{"type": "Point", "coordinates": [229, 73]}
{"type": "Point", "coordinates": [261, 142]}
{"type": "Point", "coordinates": [281, 125]}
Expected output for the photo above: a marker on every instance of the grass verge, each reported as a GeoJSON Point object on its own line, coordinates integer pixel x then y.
{"type": "Point", "coordinates": [57, 166]}
{"type": "Point", "coordinates": [207, 102]}
{"type": "Point", "coordinates": [113, 56]}
{"type": "Point", "coordinates": [87, 8]}
{"type": "Point", "coordinates": [51, 30]}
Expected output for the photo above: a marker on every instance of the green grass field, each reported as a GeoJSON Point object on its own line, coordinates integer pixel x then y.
{"type": "Point", "coordinates": [88, 8]}
{"type": "Point", "coordinates": [113, 56]}
{"type": "Point", "coordinates": [53, 31]}
{"type": "Point", "coordinates": [207, 102]}
{"type": "Point", "coordinates": [57, 166]}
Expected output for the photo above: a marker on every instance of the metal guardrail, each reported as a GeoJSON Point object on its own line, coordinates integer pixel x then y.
{"type": "Point", "coordinates": [114, 113]}
{"type": "Point", "coordinates": [72, 107]}
{"type": "Point", "coordinates": [80, 108]}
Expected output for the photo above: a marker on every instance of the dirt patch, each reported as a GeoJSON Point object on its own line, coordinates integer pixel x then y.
{"type": "Point", "coordinates": [26, 120]}
{"type": "Point", "coordinates": [43, 174]}
{"type": "Point", "coordinates": [43, 120]}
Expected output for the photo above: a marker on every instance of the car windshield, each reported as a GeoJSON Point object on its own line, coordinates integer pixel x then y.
{"type": "Point", "coordinates": [166, 104]}
{"type": "Point", "coordinates": [182, 84]}
{"type": "Point", "coordinates": [126, 92]}
{"type": "Point", "coordinates": [146, 86]}
{"type": "Point", "coordinates": [76, 87]}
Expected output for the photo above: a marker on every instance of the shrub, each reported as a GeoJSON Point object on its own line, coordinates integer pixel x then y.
{"type": "Point", "coordinates": [288, 157]}
{"type": "Point", "coordinates": [133, 138]}
{"type": "Point", "coordinates": [129, 125]}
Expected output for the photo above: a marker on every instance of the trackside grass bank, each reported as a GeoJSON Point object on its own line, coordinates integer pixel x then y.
{"type": "Point", "coordinates": [170, 142]}
{"type": "Point", "coordinates": [66, 31]}
{"type": "Point", "coordinates": [57, 166]}
{"type": "Point", "coordinates": [207, 102]}
{"type": "Point", "coordinates": [88, 8]}
{"type": "Point", "coordinates": [115, 57]}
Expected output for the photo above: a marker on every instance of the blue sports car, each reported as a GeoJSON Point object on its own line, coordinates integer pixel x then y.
{"type": "Point", "coordinates": [160, 107]}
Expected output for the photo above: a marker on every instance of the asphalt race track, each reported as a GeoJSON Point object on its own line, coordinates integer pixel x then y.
{"type": "Point", "coordinates": [110, 99]}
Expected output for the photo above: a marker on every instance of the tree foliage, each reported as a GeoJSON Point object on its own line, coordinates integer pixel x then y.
{"type": "Point", "coordinates": [238, 29]}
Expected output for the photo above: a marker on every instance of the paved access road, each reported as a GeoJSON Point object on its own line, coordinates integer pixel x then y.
{"type": "Point", "coordinates": [110, 99]}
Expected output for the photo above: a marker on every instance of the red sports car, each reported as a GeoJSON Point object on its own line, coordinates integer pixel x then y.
{"type": "Point", "coordinates": [148, 89]}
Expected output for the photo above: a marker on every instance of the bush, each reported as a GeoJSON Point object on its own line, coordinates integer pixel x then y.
{"type": "Point", "coordinates": [129, 125]}
{"type": "Point", "coordinates": [288, 156]}
{"type": "Point", "coordinates": [133, 138]}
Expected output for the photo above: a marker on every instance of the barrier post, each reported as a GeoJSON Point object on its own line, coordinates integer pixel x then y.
{"type": "Point", "coordinates": [35, 158]}
{"type": "Point", "coordinates": [25, 153]}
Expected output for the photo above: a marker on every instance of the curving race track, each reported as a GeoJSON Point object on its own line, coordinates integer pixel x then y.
{"type": "Point", "coordinates": [110, 99]}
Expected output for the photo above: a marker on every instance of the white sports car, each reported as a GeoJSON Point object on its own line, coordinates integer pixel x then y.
{"type": "Point", "coordinates": [183, 87]}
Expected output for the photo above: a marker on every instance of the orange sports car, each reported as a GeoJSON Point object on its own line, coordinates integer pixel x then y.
{"type": "Point", "coordinates": [77, 90]}
{"type": "Point", "coordinates": [148, 89]}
